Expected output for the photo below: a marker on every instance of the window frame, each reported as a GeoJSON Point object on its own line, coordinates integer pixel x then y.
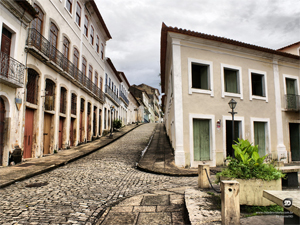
{"type": "Point", "coordinates": [75, 50]}
{"type": "Point", "coordinates": [84, 65]}
{"type": "Point", "coordinates": [192, 90]}
{"type": "Point", "coordinates": [102, 51]}
{"type": "Point", "coordinates": [291, 77]}
{"type": "Point", "coordinates": [239, 82]}
{"type": "Point", "coordinates": [265, 88]}
{"type": "Point", "coordinates": [97, 43]}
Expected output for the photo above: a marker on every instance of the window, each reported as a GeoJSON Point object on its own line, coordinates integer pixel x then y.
{"type": "Point", "coordinates": [101, 81]}
{"type": "Point", "coordinates": [73, 104]}
{"type": "Point", "coordinates": [37, 23]}
{"type": "Point", "coordinates": [63, 100]}
{"type": "Point", "coordinates": [102, 51]}
{"type": "Point", "coordinates": [96, 79]}
{"type": "Point", "coordinates": [92, 35]}
{"type": "Point", "coordinates": [76, 58]}
{"type": "Point", "coordinates": [53, 42]}
{"type": "Point", "coordinates": [86, 24]}
{"type": "Point", "coordinates": [292, 98]}
{"type": "Point", "coordinates": [112, 86]}
{"type": "Point", "coordinates": [69, 5]}
{"type": "Point", "coordinates": [66, 45]}
{"type": "Point", "coordinates": [90, 72]}
{"type": "Point", "coordinates": [84, 66]}
{"type": "Point", "coordinates": [32, 86]}
{"type": "Point", "coordinates": [97, 43]}
{"type": "Point", "coordinates": [78, 14]}
{"type": "Point", "coordinates": [109, 82]}
{"type": "Point", "coordinates": [200, 76]}
{"type": "Point", "coordinates": [258, 84]}
{"type": "Point", "coordinates": [231, 81]}
{"type": "Point", "coordinates": [231, 78]}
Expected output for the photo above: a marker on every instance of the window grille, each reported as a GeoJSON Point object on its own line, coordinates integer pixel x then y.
{"type": "Point", "coordinates": [73, 104]}
{"type": "Point", "coordinates": [82, 105]}
{"type": "Point", "coordinates": [63, 100]}
{"type": "Point", "coordinates": [32, 86]}
{"type": "Point", "coordinates": [89, 109]}
{"type": "Point", "coordinates": [49, 95]}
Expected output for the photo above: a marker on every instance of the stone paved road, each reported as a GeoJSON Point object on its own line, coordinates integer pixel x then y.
{"type": "Point", "coordinates": [80, 191]}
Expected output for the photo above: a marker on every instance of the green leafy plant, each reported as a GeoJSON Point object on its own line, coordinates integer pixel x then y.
{"type": "Point", "coordinates": [117, 123]}
{"type": "Point", "coordinates": [247, 164]}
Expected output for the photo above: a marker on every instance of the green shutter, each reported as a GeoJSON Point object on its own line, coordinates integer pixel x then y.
{"type": "Point", "coordinates": [290, 86]}
{"type": "Point", "coordinates": [260, 137]}
{"type": "Point", "coordinates": [201, 139]}
{"type": "Point", "coordinates": [231, 79]}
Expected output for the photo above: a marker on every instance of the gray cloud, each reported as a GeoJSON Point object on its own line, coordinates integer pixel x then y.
{"type": "Point", "coordinates": [135, 27]}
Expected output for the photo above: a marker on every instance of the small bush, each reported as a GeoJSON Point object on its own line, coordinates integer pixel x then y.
{"type": "Point", "coordinates": [247, 164]}
{"type": "Point", "coordinates": [117, 124]}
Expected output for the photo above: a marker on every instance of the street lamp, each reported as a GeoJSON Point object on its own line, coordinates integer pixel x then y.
{"type": "Point", "coordinates": [111, 122]}
{"type": "Point", "coordinates": [232, 105]}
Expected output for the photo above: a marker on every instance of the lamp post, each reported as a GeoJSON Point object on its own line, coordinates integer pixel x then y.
{"type": "Point", "coordinates": [232, 104]}
{"type": "Point", "coordinates": [111, 122]}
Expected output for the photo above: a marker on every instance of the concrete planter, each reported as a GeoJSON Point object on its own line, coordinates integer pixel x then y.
{"type": "Point", "coordinates": [251, 191]}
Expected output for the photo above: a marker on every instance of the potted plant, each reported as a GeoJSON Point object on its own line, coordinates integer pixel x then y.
{"type": "Point", "coordinates": [253, 174]}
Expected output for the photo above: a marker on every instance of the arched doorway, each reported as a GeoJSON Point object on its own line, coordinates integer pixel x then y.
{"type": "Point", "coordinates": [2, 127]}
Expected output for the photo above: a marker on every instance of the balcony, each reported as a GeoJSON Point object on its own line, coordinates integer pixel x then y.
{"type": "Point", "coordinates": [109, 93]}
{"type": "Point", "coordinates": [40, 47]}
{"type": "Point", "coordinates": [11, 71]}
{"type": "Point", "coordinates": [124, 98]}
{"type": "Point", "coordinates": [292, 103]}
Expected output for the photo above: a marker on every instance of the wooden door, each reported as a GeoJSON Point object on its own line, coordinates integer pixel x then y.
{"type": "Point", "coordinates": [61, 131]}
{"type": "Point", "coordinates": [28, 133]}
{"type": "Point", "coordinates": [72, 132]}
{"type": "Point", "coordinates": [295, 141]}
{"type": "Point", "coordinates": [88, 124]}
{"type": "Point", "coordinates": [5, 51]}
{"type": "Point", "coordinates": [201, 139]}
{"type": "Point", "coordinates": [2, 128]}
{"type": "Point", "coordinates": [47, 134]}
{"type": "Point", "coordinates": [81, 126]}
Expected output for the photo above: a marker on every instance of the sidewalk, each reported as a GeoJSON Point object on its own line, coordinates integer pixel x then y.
{"type": "Point", "coordinates": [34, 166]}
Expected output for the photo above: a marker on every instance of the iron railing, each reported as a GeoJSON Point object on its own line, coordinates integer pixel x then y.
{"type": "Point", "coordinates": [10, 69]}
{"type": "Point", "coordinates": [110, 92]}
{"type": "Point", "coordinates": [292, 102]}
{"type": "Point", "coordinates": [122, 95]}
{"type": "Point", "coordinates": [43, 45]}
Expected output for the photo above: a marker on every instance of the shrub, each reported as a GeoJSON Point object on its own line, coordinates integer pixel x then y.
{"type": "Point", "coordinates": [248, 164]}
{"type": "Point", "coordinates": [117, 123]}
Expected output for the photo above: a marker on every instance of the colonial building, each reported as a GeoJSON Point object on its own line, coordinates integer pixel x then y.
{"type": "Point", "coordinates": [64, 82]}
{"type": "Point", "coordinates": [153, 94]}
{"type": "Point", "coordinates": [123, 95]}
{"type": "Point", "coordinates": [144, 100]}
{"type": "Point", "coordinates": [15, 16]}
{"type": "Point", "coordinates": [201, 73]}
{"type": "Point", "coordinates": [134, 110]}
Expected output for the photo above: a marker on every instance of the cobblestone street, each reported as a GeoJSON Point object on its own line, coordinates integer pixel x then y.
{"type": "Point", "coordinates": [79, 192]}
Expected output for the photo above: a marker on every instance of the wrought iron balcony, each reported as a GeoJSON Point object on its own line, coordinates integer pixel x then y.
{"type": "Point", "coordinates": [11, 71]}
{"type": "Point", "coordinates": [111, 94]}
{"type": "Point", "coordinates": [292, 102]}
{"type": "Point", "coordinates": [40, 47]}
{"type": "Point", "coordinates": [124, 98]}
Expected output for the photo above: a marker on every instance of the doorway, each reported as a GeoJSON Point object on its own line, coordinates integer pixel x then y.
{"type": "Point", "coordinates": [295, 141]}
{"type": "Point", "coordinates": [229, 138]}
{"type": "Point", "coordinates": [28, 132]}
{"type": "Point", "coordinates": [2, 128]}
{"type": "Point", "coordinates": [61, 132]}
{"type": "Point", "coordinates": [47, 132]}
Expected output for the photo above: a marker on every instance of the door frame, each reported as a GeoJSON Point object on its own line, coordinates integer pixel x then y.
{"type": "Point", "coordinates": [240, 119]}
{"type": "Point", "coordinates": [291, 157]}
{"type": "Point", "coordinates": [212, 161]}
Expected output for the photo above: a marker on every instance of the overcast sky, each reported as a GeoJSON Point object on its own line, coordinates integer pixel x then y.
{"type": "Point", "coordinates": [135, 27]}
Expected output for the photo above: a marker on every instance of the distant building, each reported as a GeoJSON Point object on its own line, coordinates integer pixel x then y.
{"type": "Point", "coordinates": [201, 73]}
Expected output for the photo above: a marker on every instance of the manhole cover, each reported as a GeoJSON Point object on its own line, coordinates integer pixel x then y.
{"type": "Point", "coordinates": [25, 165]}
{"type": "Point", "coordinates": [36, 184]}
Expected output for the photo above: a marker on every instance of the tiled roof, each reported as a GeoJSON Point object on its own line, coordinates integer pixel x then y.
{"type": "Point", "coordinates": [113, 68]}
{"type": "Point", "coordinates": [165, 29]}
{"type": "Point", "coordinates": [125, 78]}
